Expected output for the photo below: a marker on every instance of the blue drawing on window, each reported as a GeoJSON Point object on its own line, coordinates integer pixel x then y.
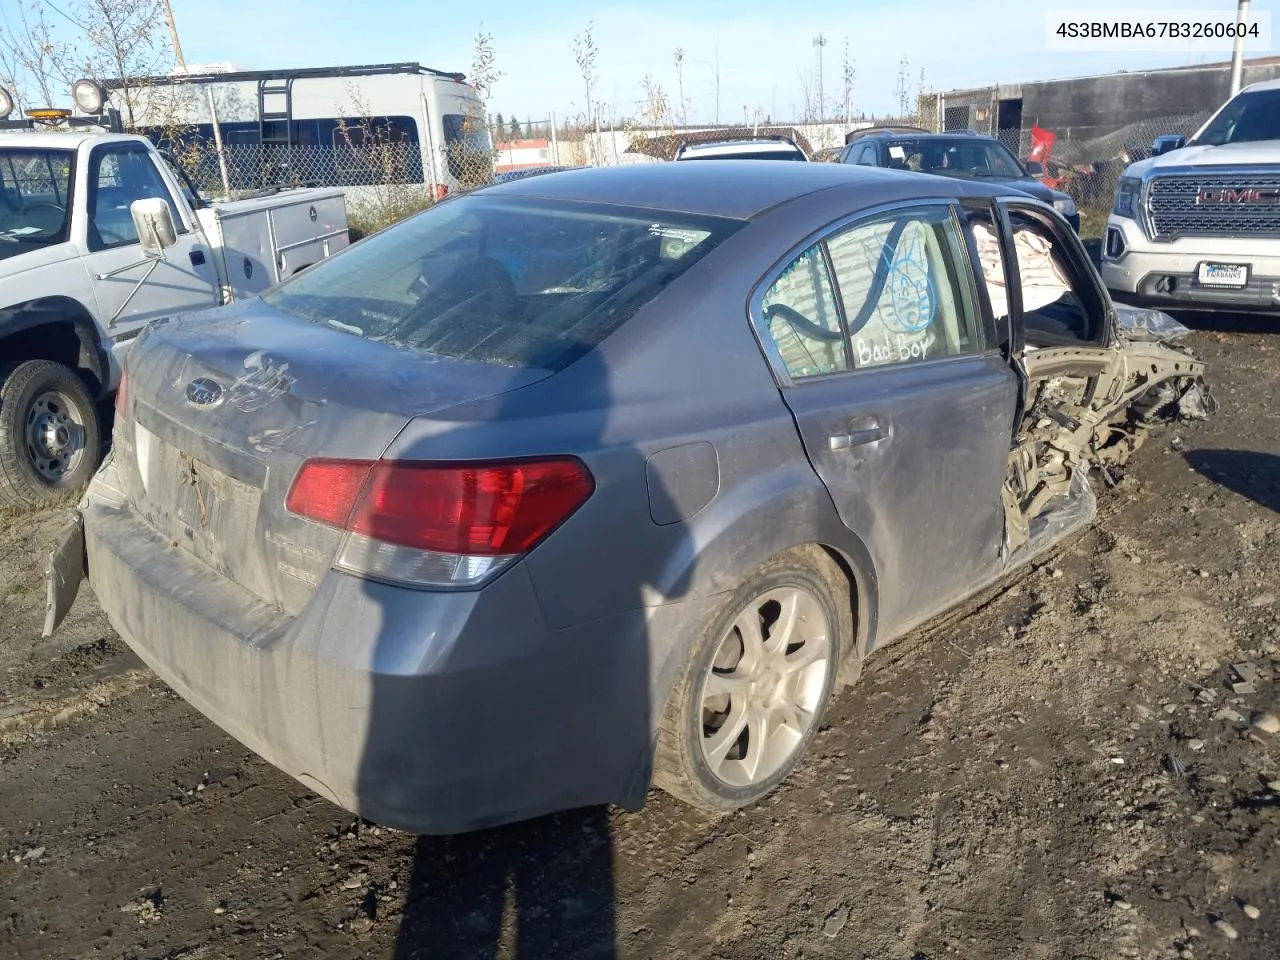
{"type": "Point", "coordinates": [912, 298]}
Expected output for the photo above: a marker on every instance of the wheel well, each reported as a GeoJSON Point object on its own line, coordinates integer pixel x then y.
{"type": "Point", "coordinates": [58, 329]}
{"type": "Point", "coordinates": [859, 608]}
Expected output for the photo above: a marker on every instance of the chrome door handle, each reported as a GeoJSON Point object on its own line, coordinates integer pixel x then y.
{"type": "Point", "coordinates": [857, 438]}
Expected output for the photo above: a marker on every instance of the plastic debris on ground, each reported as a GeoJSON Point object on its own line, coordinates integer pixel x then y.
{"type": "Point", "coordinates": [1143, 323]}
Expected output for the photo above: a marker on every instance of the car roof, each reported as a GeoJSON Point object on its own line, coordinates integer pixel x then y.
{"type": "Point", "coordinates": [733, 189]}
{"type": "Point", "coordinates": [1262, 85]}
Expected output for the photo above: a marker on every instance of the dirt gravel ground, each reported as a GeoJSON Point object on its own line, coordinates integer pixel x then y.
{"type": "Point", "coordinates": [1068, 770]}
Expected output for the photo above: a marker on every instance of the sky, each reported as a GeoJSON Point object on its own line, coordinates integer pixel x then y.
{"type": "Point", "coordinates": [762, 52]}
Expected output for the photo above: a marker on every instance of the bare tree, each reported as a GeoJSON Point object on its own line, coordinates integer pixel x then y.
{"type": "Point", "coordinates": [848, 73]}
{"type": "Point", "coordinates": [484, 73]}
{"type": "Point", "coordinates": [810, 114]}
{"type": "Point", "coordinates": [655, 108]}
{"type": "Point", "coordinates": [34, 61]}
{"type": "Point", "coordinates": [124, 43]}
{"type": "Point", "coordinates": [683, 104]}
{"type": "Point", "coordinates": [903, 88]}
{"type": "Point", "coordinates": [108, 40]}
{"type": "Point", "coordinates": [585, 54]}
{"type": "Point", "coordinates": [926, 105]}
{"type": "Point", "coordinates": [475, 154]}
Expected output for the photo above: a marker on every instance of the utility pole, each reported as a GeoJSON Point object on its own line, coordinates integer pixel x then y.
{"type": "Point", "coordinates": [818, 43]}
{"type": "Point", "coordinates": [717, 58]}
{"type": "Point", "coordinates": [1237, 51]}
{"type": "Point", "coordinates": [173, 34]}
{"type": "Point", "coordinates": [181, 61]}
{"type": "Point", "coordinates": [717, 88]}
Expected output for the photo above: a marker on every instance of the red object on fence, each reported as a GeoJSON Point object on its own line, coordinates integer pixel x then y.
{"type": "Point", "coordinates": [1041, 143]}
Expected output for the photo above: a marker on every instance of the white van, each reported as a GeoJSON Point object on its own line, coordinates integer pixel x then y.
{"type": "Point", "coordinates": [308, 126]}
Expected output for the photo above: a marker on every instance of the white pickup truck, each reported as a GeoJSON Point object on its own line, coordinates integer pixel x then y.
{"type": "Point", "coordinates": [101, 234]}
{"type": "Point", "coordinates": [1197, 225]}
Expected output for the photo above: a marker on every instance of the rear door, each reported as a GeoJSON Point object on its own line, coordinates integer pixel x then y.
{"type": "Point", "coordinates": [889, 363]}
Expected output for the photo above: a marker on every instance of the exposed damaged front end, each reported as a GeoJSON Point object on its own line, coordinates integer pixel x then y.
{"type": "Point", "coordinates": [1089, 409]}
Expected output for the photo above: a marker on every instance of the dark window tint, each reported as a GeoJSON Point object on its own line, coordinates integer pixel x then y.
{"type": "Point", "coordinates": [961, 156]}
{"type": "Point", "coordinates": [117, 177]}
{"type": "Point", "coordinates": [327, 152]}
{"type": "Point", "coordinates": [372, 151]}
{"type": "Point", "coordinates": [34, 187]}
{"type": "Point", "coordinates": [520, 283]}
{"type": "Point", "coordinates": [803, 317]}
{"type": "Point", "coordinates": [1248, 118]}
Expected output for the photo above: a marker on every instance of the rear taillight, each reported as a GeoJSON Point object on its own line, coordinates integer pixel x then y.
{"type": "Point", "coordinates": [438, 524]}
{"type": "Point", "coordinates": [122, 395]}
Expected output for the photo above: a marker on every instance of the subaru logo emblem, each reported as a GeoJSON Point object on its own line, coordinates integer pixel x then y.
{"type": "Point", "coordinates": [204, 392]}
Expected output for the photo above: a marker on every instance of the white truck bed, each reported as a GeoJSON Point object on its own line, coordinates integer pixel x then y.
{"type": "Point", "coordinates": [263, 240]}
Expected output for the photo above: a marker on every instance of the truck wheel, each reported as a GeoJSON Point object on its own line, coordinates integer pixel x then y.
{"type": "Point", "coordinates": [50, 434]}
{"type": "Point", "coordinates": [755, 686]}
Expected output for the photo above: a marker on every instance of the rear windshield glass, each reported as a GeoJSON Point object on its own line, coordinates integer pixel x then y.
{"type": "Point", "coordinates": [961, 157]}
{"type": "Point", "coordinates": [782, 153]}
{"type": "Point", "coordinates": [517, 282]}
{"type": "Point", "coordinates": [468, 149]}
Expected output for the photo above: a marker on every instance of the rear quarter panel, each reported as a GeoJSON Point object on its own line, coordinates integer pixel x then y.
{"type": "Point", "coordinates": [684, 375]}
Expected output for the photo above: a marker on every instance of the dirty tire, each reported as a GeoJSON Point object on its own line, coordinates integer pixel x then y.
{"type": "Point", "coordinates": [44, 389]}
{"type": "Point", "coordinates": [681, 764]}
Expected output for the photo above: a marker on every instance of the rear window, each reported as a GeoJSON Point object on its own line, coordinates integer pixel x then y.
{"type": "Point", "coordinates": [748, 153]}
{"type": "Point", "coordinates": [468, 149]}
{"type": "Point", "coordinates": [517, 282]}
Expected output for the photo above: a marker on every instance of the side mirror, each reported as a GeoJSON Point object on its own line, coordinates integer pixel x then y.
{"type": "Point", "coordinates": [153, 220]}
{"type": "Point", "coordinates": [1167, 144]}
{"type": "Point", "coordinates": [1035, 168]}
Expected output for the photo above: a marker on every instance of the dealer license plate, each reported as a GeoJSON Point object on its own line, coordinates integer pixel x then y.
{"type": "Point", "coordinates": [1235, 275]}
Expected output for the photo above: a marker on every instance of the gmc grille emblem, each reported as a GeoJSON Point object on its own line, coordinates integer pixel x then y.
{"type": "Point", "coordinates": [1242, 195]}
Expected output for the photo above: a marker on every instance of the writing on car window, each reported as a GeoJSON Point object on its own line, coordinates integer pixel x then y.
{"type": "Point", "coordinates": [901, 289]}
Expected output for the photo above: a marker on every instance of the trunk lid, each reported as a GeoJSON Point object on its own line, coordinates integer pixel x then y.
{"type": "Point", "coordinates": [224, 407]}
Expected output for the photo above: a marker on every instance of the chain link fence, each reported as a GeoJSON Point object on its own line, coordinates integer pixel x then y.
{"type": "Point", "coordinates": [384, 181]}
{"type": "Point", "coordinates": [1086, 164]}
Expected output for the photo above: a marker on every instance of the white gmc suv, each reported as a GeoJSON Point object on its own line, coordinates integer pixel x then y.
{"type": "Point", "coordinates": [1197, 225]}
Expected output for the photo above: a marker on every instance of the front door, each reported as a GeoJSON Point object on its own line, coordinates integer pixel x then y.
{"type": "Point", "coordinates": [127, 294]}
{"type": "Point", "coordinates": [903, 400]}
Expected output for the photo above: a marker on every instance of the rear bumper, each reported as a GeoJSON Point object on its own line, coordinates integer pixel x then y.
{"type": "Point", "coordinates": [1164, 275]}
{"type": "Point", "coordinates": [430, 712]}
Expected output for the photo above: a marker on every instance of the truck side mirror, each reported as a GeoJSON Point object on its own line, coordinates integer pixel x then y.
{"type": "Point", "coordinates": [153, 220]}
{"type": "Point", "coordinates": [1035, 168]}
{"type": "Point", "coordinates": [1167, 144]}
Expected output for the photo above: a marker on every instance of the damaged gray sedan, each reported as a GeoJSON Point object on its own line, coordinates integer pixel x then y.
{"type": "Point", "coordinates": [582, 483]}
